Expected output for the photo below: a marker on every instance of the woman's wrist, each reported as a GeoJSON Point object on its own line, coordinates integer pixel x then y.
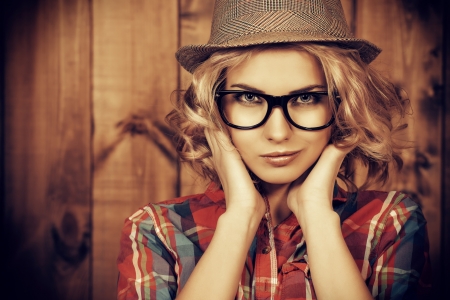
{"type": "Point", "coordinates": [241, 219]}
{"type": "Point", "coordinates": [217, 274]}
{"type": "Point", "coordinates": [317, 219]}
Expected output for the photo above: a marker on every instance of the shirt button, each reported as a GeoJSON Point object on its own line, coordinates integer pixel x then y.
{"type": "Point", "coordinates": [266, 250]}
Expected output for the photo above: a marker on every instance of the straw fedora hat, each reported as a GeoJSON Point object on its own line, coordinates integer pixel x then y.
{"type": "Point", "coordinates": [241, 23]}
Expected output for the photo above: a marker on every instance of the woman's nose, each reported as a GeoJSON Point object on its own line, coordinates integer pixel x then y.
{"type": "Point", "coordinates": [277, 128]}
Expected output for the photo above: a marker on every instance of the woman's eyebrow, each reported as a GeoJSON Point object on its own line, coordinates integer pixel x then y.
{"type": "Point", "coordinates": [310, 88]}
{"type": "Point", "coordinates": [305, 89]}
{"type": "Point", "coordinates": [247, 88]}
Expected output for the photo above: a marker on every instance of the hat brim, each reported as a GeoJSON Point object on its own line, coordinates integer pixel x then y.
{"type": "Point", "coordinates": [191, 56]}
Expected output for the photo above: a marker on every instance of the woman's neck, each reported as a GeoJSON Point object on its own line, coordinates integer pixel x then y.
{"type": "Point", "coordinates": [277, 196]}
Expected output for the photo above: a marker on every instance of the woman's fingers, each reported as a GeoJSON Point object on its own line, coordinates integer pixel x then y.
{"type": "Point", "coordinates": [218, 141]}
{"type": "Point", "coordinates": [328, 165]}
{"type": "Point", "coordinates": [225, 156]}
{"type": "Point", "coordinates": [240, 192]}
{"type": "Point", "coordinates": [318, 186]}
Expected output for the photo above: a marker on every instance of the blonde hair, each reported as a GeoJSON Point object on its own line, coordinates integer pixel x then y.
{"type": "Point", "coordinates": [368, 106]}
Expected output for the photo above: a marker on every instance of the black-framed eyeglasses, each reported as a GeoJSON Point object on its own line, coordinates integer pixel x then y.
{"type": "Point", "coordinates": [247, 110]}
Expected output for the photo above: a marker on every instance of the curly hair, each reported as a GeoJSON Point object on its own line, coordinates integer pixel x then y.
{"type": "Point", "coordinates": [367, 107]}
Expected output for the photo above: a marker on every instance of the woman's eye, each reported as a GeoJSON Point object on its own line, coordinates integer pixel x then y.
{"type": "Point", "coordinates": [307, 98]}
{"type": "Point", "coordinates": [248, 97]}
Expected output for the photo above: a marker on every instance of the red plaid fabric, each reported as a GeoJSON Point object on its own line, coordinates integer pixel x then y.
{"type": "Point", "coordinates": [385, 232]}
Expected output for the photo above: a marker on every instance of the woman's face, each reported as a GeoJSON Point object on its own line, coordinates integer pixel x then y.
{"type": "Point", "coordinates": [277, 152]}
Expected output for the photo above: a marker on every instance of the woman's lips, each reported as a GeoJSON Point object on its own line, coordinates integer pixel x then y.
{"type": "Point", "coordinates": [280, 159]}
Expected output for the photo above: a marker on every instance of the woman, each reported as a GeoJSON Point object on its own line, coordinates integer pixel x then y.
{"type": "Point", "coordinates": [282, 101]}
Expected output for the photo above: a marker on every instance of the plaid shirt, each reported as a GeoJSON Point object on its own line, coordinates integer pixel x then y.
{"type": "Point", "coordinates": [385, 232]}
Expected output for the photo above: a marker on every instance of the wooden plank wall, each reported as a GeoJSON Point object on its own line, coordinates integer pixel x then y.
{"type": "Point", "coordinates": [134, 74]}
{"type": "Point", "coordinates": [47, 150]}
{"type": "Point", "coordinates": [442, 269]}
{"type": "Point", "coordinates": [87, 86]}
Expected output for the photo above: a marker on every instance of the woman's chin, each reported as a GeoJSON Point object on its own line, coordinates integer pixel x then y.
{"type": "Point", "coordinates": [279, 180]}
{"type": "Point", "coordinates": [281, 176]}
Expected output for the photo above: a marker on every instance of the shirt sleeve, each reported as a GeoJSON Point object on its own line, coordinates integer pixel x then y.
{"type": "Point", "coordinates": [146, 267]}
{"type": "Point", "coordinates": [401, 261]}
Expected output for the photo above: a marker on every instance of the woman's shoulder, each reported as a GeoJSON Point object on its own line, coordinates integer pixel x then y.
{"type": "Point", "coordinates": [212, 198]}
{"type": "Point", "coordinates": [387, 200]}
{"type": "Point", "coordinates": [198, 210]}
{"type": "Point", "coordinates": [378, 198]}
{"type": "Point", "coordinates": [378, 206]}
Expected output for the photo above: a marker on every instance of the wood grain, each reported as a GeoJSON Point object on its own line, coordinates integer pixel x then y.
{"type": "Point", "coordinates": [134, 75]}
{"type": "Point", "coordinates": [349, 7]}
{"type": "Point", "coordinates": [410, 34]}
{"type": "Point", "coordinates": [445, 236]}
{"type": "Point", "coordinates": [195, 27]}
{"type": "Point", "coordinates": [48, 164]}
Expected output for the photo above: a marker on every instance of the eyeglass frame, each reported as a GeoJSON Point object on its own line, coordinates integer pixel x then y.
{"type": "Point", "coordinates": [272, 101]}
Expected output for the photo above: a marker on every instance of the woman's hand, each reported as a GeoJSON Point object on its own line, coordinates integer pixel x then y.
{"type": "Point", "coordinates": [332, 266]}
{"type": "Point", "coordinates": [217, 274]}
{"type": "Point", "coordinates": [315, 193]}
{"type": "Point", "coordinates": [240, 192]}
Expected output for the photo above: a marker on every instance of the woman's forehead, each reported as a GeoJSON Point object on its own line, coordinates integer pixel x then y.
{"type": "Point", "coordinates": [277, 71]}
